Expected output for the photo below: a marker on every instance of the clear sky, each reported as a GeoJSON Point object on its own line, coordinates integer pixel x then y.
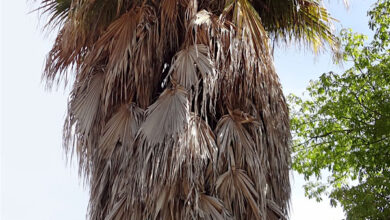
{"type": "Point", "coordinates": [35, 182]}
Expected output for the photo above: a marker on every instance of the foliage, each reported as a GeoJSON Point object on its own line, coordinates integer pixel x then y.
{"type": "Point", "coordinates": [343, 127]}
{"type": "Point", "coordinates": [176, 111]}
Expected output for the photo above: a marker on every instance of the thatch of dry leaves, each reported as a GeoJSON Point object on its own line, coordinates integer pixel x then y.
{"type": "Point", "coordinates": [176, 111]}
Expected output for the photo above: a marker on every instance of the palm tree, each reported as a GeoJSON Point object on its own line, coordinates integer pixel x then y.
{"type": "Point", "coordinates": [176, 111]}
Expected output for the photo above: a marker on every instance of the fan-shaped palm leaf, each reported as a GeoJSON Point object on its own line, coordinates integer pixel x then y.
{"type": "Point", "coordinates": [178, 151]}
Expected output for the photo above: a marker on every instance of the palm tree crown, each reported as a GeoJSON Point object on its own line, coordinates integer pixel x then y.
{"type": "Point", "coordinates": [176, 111]}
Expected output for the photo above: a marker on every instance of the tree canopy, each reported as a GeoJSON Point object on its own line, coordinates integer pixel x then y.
{"type": "Point", "coordinates": [342, 128]}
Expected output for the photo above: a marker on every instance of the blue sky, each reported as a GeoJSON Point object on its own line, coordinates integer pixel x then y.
{"type": "Point", "coordinates": [36, 182]}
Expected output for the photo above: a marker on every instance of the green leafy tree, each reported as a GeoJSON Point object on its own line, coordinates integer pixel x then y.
{"type": "Point", "coordinates": [343, 127]}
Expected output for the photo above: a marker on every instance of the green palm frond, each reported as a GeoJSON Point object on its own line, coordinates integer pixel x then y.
{"type": "Point", "coordinates": [57, 9]}
{"type": "Point", "coordinates": [303, 21]}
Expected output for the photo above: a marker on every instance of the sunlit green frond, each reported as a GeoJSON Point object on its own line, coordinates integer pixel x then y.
{"type": "Point", "coordinates": [302, 21]}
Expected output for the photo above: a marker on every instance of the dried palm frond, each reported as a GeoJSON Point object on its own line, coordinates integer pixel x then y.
{"type": "Point", "coordinates": [64, 55]}
{"type": "Point", "coordinates": [129, 45]}
{"type": "Point", "coordinates": [85, 104]}
{"type": "Point", "coordinates": [79, 32]}
{"type": "Point", "coordinates": [108, 179]}
{"type": "Point", "coordinates": [237, 150]}
{"type": "Point", "coordinates": [249, 23]}
{"type": "Point", "coordinates": [212, 209]}
{"type": "Point", "coordinates": [190, 67]}
{"type": "Point", "coordinates": [116, 41]}
{"type": "Point", "coordinates": [122, 127]}
{"type": "Point", "coordinates": [167, 117]}
{"type": "Point", "coordinates": [239, 195]}
{"type": "Point", "coordinates": [188, 63]}
{"type": "Point", "coordinates": [172, 158]}
{"type": "Point", "coordinates": [83, 117]}
{"type": "Point", "coordinates": [169, 29]}
{"type": "Point", "coordinates": [235, 144]}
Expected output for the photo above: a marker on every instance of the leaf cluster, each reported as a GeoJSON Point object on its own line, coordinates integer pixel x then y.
{"type": "Point", "coordinates": [344, 126]}
{"type": "Point", "coordinates": [176, 111]}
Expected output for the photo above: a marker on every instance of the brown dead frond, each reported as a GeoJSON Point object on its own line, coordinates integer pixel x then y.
{"type": "Point", "coordinates": [167, 117]}
{"type": "Point", "coordinates": [212, 208]}
{"type": "Point", "coordinates": [122, 127]}
{"type": "Point", "coordinates": [176, 110]}
{"type": "Point", "coordinates": [188, 61]}
{"type": "Point", "coordinates": [239, 195]}
{"type": "Point", "coordinates": [84, 115]}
